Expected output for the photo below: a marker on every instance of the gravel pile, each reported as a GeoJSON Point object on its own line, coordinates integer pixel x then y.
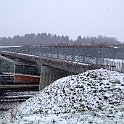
{"type": "Point", "coordinates": [93, 90]}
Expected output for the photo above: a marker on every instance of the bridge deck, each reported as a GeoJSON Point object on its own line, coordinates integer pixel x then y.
{"type": "Point", "coordinates": [70, 66]}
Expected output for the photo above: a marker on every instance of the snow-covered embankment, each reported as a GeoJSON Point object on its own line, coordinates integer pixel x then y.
{"type": "Point", "coordinates": [98, 91]}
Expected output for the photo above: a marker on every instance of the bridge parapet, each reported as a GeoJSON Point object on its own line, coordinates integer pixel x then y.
{"type": "Point", "coordinates": [74, 67]}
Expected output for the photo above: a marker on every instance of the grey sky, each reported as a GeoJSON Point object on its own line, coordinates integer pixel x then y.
{"type": "Point", "coordinates": [62, 17]}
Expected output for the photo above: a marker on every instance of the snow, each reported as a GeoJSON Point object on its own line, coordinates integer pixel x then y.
{"type": "Point", "coordinates": [95, 96]}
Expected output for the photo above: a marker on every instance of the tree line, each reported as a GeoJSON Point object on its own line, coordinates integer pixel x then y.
{"type": "Point", "coordinates": [44, 39]}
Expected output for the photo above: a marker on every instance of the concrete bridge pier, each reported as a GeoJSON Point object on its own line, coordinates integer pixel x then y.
{"type": "Point", "coordinates": [49, 75]}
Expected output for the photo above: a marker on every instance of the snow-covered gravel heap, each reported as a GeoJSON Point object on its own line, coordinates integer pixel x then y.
{"type": "Point", "coordinates": [92, 90]}
{"type": "Point", "coordinates": [95, 96]}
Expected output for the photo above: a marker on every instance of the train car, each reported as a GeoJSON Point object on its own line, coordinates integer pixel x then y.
{"type": "Point", "coordinates": [23, 78]}
{"type": "Point", "coordinates": [9, 78]}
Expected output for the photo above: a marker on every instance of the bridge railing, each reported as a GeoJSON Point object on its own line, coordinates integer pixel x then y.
{"type": "Point", "coordinates": [70, 57]}
{"type": "Point", "coordinates": [110, 57]}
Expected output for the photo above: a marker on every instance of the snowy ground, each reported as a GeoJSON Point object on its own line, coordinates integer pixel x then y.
{"type": "Point", "coordinates": [87, 117]}
{"type": "Point", "coordinates": [95, 97]}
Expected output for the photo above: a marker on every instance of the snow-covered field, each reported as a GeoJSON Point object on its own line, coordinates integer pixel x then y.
{"type": "Point", "coordinates": [92, 97]}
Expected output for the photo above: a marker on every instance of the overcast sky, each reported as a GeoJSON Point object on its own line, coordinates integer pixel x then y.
{"type": "Point", "coordinates": [63, 17]}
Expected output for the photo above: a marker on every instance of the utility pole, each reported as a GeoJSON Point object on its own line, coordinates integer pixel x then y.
{"type": "Point", "coordinates": [14, 72]}
{"type": "Point", "coordinates": [40, 83]}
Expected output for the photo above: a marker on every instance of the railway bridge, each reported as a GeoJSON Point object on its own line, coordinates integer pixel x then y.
{"type": "Point", "coordinates": [51, 68]}
{"type": "Point", "coordinates": [56, 62]}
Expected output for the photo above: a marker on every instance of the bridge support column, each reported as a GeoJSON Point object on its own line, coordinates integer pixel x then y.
{"type": "Point", "coordinates": [49, 75]}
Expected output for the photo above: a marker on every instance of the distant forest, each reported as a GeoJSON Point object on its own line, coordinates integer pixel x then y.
{"type": "Point", "coordinates": [44, 39]}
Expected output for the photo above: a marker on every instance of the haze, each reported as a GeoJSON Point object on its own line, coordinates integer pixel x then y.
{"type": "Point", "coordinates": [62, 17]}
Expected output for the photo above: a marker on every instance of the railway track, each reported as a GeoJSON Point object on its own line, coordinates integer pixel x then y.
{"type": "Point", "coordinates": [12, 95]}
